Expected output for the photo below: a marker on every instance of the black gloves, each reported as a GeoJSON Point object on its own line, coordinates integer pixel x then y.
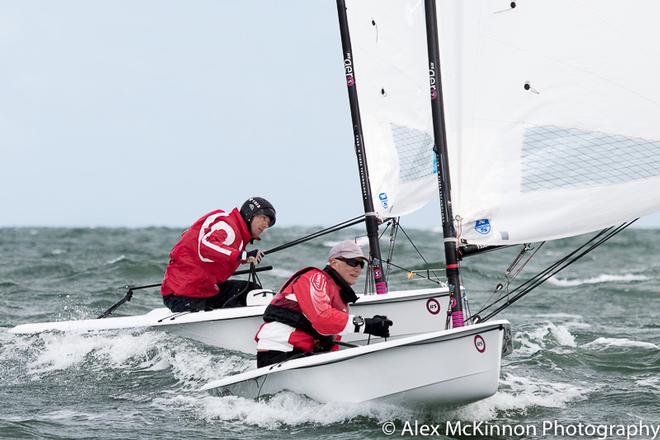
{"type": "Point", "coordinates": [379, 325]}
{"type": "Point", "coordinates": [254, 256]}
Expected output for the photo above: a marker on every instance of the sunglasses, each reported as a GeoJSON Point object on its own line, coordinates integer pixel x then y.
{"type": "Point", "coordinates": [353, 262]}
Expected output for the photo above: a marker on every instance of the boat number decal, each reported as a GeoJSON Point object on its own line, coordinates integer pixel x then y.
{"type": "Point", "coordinates": [479, 343]}
{"type": "Point", "coordinates": [433, 306]}
{"type": "Point", "coordinates": [482, 226]}
{"type": "Point", "coordinates": [383, 200]}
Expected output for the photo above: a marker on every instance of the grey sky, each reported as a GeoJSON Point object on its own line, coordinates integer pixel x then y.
{"type": "Point", "coordinates": [135, 113]}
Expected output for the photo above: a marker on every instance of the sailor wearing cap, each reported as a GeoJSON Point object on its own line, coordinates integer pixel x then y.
{"type": "Point", "coordinates": [310, 311]}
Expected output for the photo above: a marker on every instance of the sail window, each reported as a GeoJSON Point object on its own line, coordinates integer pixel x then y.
{"type": "Point", "coordinates": [555, 157]}
{"type": "Point", "coordinates": [415, 150]}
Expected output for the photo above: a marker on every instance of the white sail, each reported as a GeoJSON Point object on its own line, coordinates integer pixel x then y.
{"type": "Point", "coordinates": [390, 64]}
{"type": "Point", "coordinates": [553, 115]}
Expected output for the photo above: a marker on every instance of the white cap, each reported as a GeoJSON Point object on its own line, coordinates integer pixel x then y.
{"type": "Point", "coordinates": [346, 249]}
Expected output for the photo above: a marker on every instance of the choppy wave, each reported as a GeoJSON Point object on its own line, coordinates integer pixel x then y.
{"type": "Point", "coordinates": [148, 351]}
{"type": "Point", "coordinates": [650, 383]}
{"type": "Point", "coordinates": [546, 335]}
{"type": "Point", "coordinates": [605, 343]}
{"type": "Point", "coordinates": [519, 394]}
{"type": "Point", "coordinates": [282, 409]}
{"type": "Point", "coordinates": [280, 273]}
{"type": "Point", "coordinates": [58, 351]}
{"type": "Point", "coordinates": [604, 278]}
{"type": "Point", "coordinates": [116, 260]}
{"type": "Point", "coordinates": [363, 241]}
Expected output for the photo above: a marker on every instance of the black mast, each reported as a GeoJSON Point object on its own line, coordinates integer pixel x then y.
{"type": "Point", "coordinates": [440, 148]}
{"type": "Point", "coordinates": [371, 219]}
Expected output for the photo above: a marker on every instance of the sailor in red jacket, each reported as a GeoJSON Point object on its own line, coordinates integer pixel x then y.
{"type": "Point", "coordinates": [310, 311]}
{"type": "Point", "coordinates": [209, 252]}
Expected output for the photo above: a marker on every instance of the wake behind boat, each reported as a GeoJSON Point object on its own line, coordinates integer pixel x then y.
{"type": "Point", "coordinates": [445, 367]}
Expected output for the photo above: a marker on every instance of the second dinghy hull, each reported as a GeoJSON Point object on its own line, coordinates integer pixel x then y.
{"type": "Point", "coordinates": [441, 368]}
{"type": "Point", "coordinates": [413, 311]}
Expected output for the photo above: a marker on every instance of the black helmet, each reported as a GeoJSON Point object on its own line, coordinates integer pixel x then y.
{"type": "Point", "coordinates": [255, 206]}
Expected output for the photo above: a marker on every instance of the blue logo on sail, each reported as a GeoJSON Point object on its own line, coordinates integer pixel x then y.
{"type": "Point", "coordinates": [383, 200]}
{"type": "Point", "coordinates": [482, 226]}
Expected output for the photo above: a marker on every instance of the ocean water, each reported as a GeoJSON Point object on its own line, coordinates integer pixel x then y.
{"type": "Point", "coordinates": [587, 346]}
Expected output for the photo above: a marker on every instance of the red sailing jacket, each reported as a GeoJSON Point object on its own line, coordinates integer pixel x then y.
{"type": "Point", "coordinates": [206, 255]}
{"type": "Point", "coordinates": [317, 296]}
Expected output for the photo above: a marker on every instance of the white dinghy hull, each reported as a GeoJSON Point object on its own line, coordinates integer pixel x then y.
{"type": "Point", "coordinates": [413, 311]}
{"type": "Point", "coordinates": [447, 367]}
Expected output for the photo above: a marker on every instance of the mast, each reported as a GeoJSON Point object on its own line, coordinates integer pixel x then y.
{"type": "Point", "coordinates": [440, 148]}
{"type": "Point", "coordinates": [371, 218]}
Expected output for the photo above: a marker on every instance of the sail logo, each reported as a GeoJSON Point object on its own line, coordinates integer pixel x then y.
{"type": "Point", "coordinates": [348, 67]}
{"type": "Point", "coordinates": [433, 82]}
{"type": "Point", "coordinates": [479, 343]}
{"type": "Point", "coordinates": [482, 226]}
{"type": "Point", "coordinates": [384, 201]}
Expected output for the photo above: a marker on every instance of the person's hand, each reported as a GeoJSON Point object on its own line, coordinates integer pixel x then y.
{"type": "Point", "coordinates": [379, 325]}
{"type": "Point", "coordinates": [255, 256]}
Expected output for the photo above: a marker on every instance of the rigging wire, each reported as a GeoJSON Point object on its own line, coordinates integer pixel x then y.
{"type": "Point", "coordinates": [505, 301]}
{"type": "Point", "coordinates": [394, 223]}
{"type": "Point", "coordinates": [393, 234]}
{"type": "Point", "coordinates": [526, 247]}
{"type": "Point", "coordinates": [507, 274]}
{"type": "Point", "coordinates": [416, 249]}
{"type": "Point", "coordinates": [415, 273]}
{"type": "Point", "coordinates": [369, 283]}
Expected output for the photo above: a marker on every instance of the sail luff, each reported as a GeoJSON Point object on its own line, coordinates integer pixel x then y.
{"type": "Point", "coordinates": [440, 148]}
{"type": "Point", "coordinates": [390, 61]}
{"type": "Point", "coordinates": [371, 217]}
